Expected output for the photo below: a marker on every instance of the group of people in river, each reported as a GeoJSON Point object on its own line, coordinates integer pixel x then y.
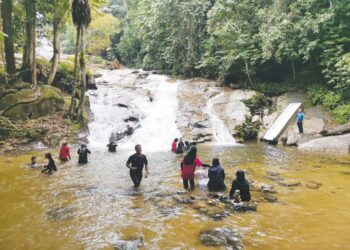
{"type": "Point", "coordinates": [179, 147]}
{"type": "Point", "coordinates": [240, 190]}
{"type": "Point", "coordinates": [137, 162]}
{"type": "Point", "coordinates": [64, 156]}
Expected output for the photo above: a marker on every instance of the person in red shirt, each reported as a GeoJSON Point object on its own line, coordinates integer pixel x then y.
{"type": "Point", "coordinates": [174, 145]}
{"type": "Point", "coordinates": [188, 166]}
{"type": "Point", "coordinates": [64, 152]}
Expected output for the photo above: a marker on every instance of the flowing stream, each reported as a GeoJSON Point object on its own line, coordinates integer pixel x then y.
{"type": "Point", "coordinates": [95, 206]}
{"type": "Point", "coordinates": [154, 104]}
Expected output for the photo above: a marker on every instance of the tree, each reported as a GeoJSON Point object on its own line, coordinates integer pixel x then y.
{"type": "Point", "coordinates": [81, 15]}
{"type": "Point", "coordinates": [29, 59]}
{"type": "Point", "coordinates": [56, 13]}
{"type": "Point", "coordinates": [102, 28]}
{"type": "Point", "coordinates": [6, 13]}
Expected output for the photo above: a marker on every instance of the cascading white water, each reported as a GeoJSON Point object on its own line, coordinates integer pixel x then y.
{"type": "Point", "coordinates": [158, 129]}
{"type": "Point", "coordinates": [157, 117]}
{"type": "Point", "coordinates": [221, 133]}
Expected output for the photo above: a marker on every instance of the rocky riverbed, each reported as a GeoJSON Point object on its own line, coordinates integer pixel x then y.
{"type": "Point", "coordinates": [29, 115]}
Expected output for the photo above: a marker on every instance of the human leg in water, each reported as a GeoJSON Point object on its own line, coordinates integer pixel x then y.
{"type": "Point", "coordinates": [185, 182]}
{"type": "Point", "coordinates": [136, 178]}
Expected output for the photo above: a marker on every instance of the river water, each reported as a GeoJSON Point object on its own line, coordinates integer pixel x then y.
{"type": "Point", "coordinates": [95, 206]}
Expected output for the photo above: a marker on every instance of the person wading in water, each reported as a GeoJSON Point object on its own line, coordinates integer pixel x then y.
{"type": "Point", "coordinates": [51, 166]}
{"type": "Point", "coordinates": [64, 152]}
{"type": "Point", "coordinates": [135, 163]}
{"type": "Point", "coordinates": [83, 152]}
{"type": "Point", "coordinates": [188, 166]}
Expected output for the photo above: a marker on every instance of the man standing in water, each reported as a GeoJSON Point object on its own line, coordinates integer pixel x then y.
{"type": "Point", "coordinates": [135, 163]}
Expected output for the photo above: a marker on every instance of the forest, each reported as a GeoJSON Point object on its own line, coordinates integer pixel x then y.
{"type": "Point", "coordinates": [271, 46]}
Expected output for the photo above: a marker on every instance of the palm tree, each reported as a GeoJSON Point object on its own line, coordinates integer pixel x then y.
{"type": "Point", "coordinates": [81, 14]}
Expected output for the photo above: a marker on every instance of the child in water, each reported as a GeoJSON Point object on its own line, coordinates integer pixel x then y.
{"type": "Point", "coordinates": [33, 163]}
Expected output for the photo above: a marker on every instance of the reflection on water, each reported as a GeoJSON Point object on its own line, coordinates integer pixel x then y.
{"type": "Point", "coordinates": [95, 206]}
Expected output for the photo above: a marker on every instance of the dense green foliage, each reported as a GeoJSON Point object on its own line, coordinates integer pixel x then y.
{"type": "Point", "coordinates": [268, 45]}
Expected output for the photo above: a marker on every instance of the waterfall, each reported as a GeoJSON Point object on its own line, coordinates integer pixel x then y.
{"type": "Point", "coordinates": [221, 133]}
{"type": "Point", "coordinates": [156, 128]}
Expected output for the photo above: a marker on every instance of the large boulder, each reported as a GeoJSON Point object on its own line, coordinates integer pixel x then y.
{"type": "Point", "coordinates": [7, 129]}
{"type": "Point", "coordinates": [340, 143]}
{"type": "Point", "coordinates": [316, 119]}
{"type": "Point", "coordinates": [31, 103]}
{"type": "Point", "coordinates": [231, 107]}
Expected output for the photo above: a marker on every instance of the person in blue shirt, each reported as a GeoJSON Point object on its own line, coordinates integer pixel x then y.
{"type": "Point", "coordinates": [300, 118]}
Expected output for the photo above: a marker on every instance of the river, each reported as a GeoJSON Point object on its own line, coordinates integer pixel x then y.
{"type": "Point", "coordinates": [95, 206]}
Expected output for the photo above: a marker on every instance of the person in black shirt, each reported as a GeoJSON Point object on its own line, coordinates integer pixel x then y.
{"type": "Point", "coordinates": [112, 146]}
{"type": "Point", "coordinates": [241, 184]}
{"type": "Point", "coordinates": [51, 166]}
{"type": "Point", "coordinates": [135, 163]}
{"type": "Point", "coordinates": [83, 152]}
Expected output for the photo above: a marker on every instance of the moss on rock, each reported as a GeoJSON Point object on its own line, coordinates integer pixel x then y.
{"type": "Point", "coordinates": [31, 103]}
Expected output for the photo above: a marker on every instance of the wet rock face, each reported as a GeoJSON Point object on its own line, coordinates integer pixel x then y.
{"type": "Point", "coordinates": [230, 238]}
{"type": "Point", "coordinates": [193, 117]}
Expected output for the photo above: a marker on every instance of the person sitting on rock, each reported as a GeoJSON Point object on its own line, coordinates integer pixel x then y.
{"type": "Point", "coordinates": [241, 184]}
{"type": "Point", "coordinates": [51, 166]}
{"type": "Point", "coordinates": [129, 130]}
{"type": "Point", "coordinates": [112, 146]}
{"type": "Point", "coordinates": [174, 145]}
{"type": "Point", "coordinates": [83, 152]}
{"type": "Point", "coordinates": [216, 176]}
{"type": "Point", "coordinates": [64, 152]}
{"type": "Point", "coordinates": [180, 147]}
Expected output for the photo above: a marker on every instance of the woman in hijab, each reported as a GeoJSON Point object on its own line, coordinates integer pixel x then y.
{"type": "Point", "coordinates": [188, 166]}
{"type": "Point", "coordinates": [216, 176]}
{"type": "Point", "coordinates": [241, 184]}
{"type": "Point", "coordinates": [83, 152]}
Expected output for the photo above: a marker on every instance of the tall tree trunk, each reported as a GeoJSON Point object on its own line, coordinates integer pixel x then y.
{"type": "Point", "coordinates": [77, 49]}
{"type": "Point", "coordinates": [293, 68]}
{"type": "Point", "coordinates": [248, 72]}
{"type": "Point", "coordinates": [6, 13]}
{"type": "Point", "coordinates": [83, 73]}
{"type": "Point", "coordinates": [2, 55]}
{"type": "Point", "coordinates": [33, 40]}
{"type": "Point", "coordinates": [56, 52]}
{"type": "Point", "coordinates": [30, 30]}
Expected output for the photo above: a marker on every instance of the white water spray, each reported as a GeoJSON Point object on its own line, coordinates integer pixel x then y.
{"type": "Point", "coordinates": [157, 125]}
{"type": "Point", "coordinates": [158, 129]}
{"type": "Point", "coordinates": [221, 133]}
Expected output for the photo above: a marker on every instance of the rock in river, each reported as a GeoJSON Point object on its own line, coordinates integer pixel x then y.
{"type": "Point", "coordinates": [230, 238]}
{"type": "Point", "coordinates": [129, 244]}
